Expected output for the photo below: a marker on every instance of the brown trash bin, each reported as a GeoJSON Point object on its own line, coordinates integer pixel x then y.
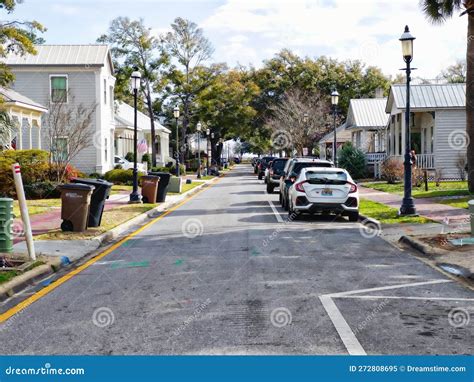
{"type": "Point", "coordinates": [75, 204]}
{"type": "Point", "coordinates": [149, 188]}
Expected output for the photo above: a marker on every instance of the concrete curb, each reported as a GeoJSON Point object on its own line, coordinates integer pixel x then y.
{"type": "Point", "coordinates": [20, 282]}
{"type": "Point", "coordinates": [54, 264]}
{"type": "Point", "coordinates": [366, 220]}
{"type": "Point", "coordinates": [424, 248]}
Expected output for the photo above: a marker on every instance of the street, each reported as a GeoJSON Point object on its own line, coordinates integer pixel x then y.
{"type": "Point", "coordinates": [226, 273]}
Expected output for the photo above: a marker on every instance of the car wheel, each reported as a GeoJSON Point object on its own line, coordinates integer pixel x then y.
{"type": "Point", "coordinates": [260, 176]}
{"type": "Point", "coordinates": [270, 188]}
{"type": "Point", "coordinates": [353, 216]}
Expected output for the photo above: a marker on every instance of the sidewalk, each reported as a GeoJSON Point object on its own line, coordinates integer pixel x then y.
{"type": "Point", "coordinates": [437, 212]}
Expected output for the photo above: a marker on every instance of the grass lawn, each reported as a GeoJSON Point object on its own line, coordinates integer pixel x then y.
{"type": "Point", "coordinates": [457, 202]}
{"type": "Point", "coordinates": [455, 188]}
{"type": "Point", "coordinates": [116, 189]}
{"type": "Point", "coordinates": [110, 219]}
{"type": "Point", "coordinates": [385, 214]}
{"type": "Point", "coordinates": [187, 187]}
{"type": "Point", "coordinates": [37, 206]}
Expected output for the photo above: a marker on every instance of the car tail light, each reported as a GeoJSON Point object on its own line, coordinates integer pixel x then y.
{"type": "Point", "coordinates": [353, 188]}
{"type": "Point", "coordinates": [299, 186]}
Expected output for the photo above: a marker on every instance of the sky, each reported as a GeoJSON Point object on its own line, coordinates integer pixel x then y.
{"type": "Point", "coordinates": [247, 32]}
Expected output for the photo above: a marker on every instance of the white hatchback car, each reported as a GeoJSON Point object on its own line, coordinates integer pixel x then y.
{"type": "Point", "coordinates": [324, 190]}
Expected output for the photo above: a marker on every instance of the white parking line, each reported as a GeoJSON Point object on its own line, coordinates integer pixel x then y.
{"type": "Point", "coordinates": [409, 298]}
{"type": "Point", "coordinates": [346, 334]}
{"type": "Point", "coordinates": [349, 339]}
{"type": "Point", "coordinates": [275, 211]}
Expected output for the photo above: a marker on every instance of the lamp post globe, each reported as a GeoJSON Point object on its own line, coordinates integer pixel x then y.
{"type": "Point", "coordinates": [135, 82]}
{"type": "Point", "coordinates": [408, 203]}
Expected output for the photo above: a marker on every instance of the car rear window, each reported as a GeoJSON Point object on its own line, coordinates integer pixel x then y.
{"type": "Point", "coordinates": [338, 177]}
{"type": "Point", "coordinates": [279, 164]}
{"type": "Point", "coordinates": [299, 166]}
{"type": "Point", "coordinates": [265, 160]}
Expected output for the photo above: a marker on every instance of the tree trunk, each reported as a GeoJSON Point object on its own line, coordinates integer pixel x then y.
{"type": "Point", "coordinates": [183, 149]}
{"type": "Point", "coordinates": [470, 96]}
{"type": "Point", "coordinates": [152, 126]}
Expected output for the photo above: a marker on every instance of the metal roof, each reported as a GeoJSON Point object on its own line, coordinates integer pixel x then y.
{"type": "Point", "coordinates": [124, 117]}
{"type": "Point", "coordinates": [11, 96]}
{"type": "Point", "coordinates": [62, 55]}
{"type": "Point", "coordinates": [342, 134]}
{"type": "Point", "coordinates": [443, 96]}
{"type": "Point", "coordinates": [367, 113]}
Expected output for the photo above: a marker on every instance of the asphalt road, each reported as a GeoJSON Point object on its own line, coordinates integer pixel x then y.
{"type": "Point", "coordinates": [223, 274]}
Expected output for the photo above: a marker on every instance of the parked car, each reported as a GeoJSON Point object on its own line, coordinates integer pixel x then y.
{"type": "Point", "coordinates": [262, 165]}
{"type": "Point", "coordinates": [126, 165]}
{"type": "Point", "coordinates": [324, 190]}
{"type": "Point", "coordinates": [274, 173]}
{"type": "Point", "coordinates": [236, 160]}
{"type": "Point", "coordinates": [292, 169]}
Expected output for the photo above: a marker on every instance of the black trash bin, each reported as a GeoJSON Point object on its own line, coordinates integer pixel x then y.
{"type": "Point", "coordinates": [162, 185]}
{"type": "Point", "coordinates": [99, 196]}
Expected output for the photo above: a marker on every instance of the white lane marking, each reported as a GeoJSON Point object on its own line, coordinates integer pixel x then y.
{"type": "Point", "coordinates": [348, 293]}
{"type": "Point", "coordinates": [410, 298]}
{"type": "Point", "coordinates": [349, 339]}
{"type": "Point", "coordinates": [277, 214]}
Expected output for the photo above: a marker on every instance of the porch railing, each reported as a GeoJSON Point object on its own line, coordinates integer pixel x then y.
{"type": "Point", "coordinates": [375, 157]}
{"type": "Point", "coordinates": [423, 161]}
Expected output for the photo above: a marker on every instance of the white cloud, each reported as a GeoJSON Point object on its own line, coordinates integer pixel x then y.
{"type": "Point", "coordinates": [346, 29]}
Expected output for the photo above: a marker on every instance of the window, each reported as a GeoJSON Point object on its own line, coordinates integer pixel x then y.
{"type": "Point", "coordinates": [60, 149]}
{"type": "Point", "coordinates": [105, 92]}
{"type": "Point", "coordinates": [106, 150]}
{"type": "Point", "coordinates": [58, 89]}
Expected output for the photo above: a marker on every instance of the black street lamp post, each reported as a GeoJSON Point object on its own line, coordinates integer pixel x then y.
{"type": "Point", "coordinates": [408, 203]}
{"type": "Point", "coordinates": [199, 128]}
{"type": "Point", "coordinates": [176, 116]}
{"type": "Point", "coordinates": [135, 84]}
{"type": "Point", "coordinates": [208, 135]}
{"type": "Point", "coordinates": [334, 103]}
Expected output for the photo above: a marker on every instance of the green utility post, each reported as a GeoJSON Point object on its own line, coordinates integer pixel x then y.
{"type": "Point", "coordinates": [6, 219]}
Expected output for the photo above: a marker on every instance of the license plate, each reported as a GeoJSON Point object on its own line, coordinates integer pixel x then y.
{"type": "Point", "coordinates": [326, 192]}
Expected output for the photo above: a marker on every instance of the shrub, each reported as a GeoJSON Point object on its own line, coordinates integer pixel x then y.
{"type": "Point", "coordinates": [118, 176]}
{"type": "Point", "coordinates": [64, 174]}
{"type": "Point", "coordinates": [42, 190]}
{"type": "Point", "coordinates": [129, 157]}
{"type": "Point", "coordinates": [161, 169]}
{"type": "Point", "coordinates": [95, 175]}
{"type": "Point", "coordinates": [147, 158]}
{"type": "Point", "coordinates": [353, 160]}
{"type": "Point", "coordinates": [392, 170]}
{"type": "Point", "coordinates": [118, 167]}
{"type": "Point", "coordinates": [34, 168]}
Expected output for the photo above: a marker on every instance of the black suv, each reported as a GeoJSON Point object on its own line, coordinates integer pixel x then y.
{"type": "Point", "coordinates": [275, 171]}
{"type": "Point", "coordinates": [292, 169]}
{"type": "Point", "coordinates": [262, 166]}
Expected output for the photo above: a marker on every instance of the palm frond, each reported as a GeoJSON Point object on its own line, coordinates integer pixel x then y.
{"type": "Point", "coordinates": [437, 11]}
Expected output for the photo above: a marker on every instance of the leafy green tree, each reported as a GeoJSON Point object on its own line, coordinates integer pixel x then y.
{"type": "Point", "coordinates": [188, 46]}
{"type": "Point", "coordinates": [134, 46]}
{"type": "Point", "coordinates": [455, 73]}
{"type": "Point", "coordinates": [16, 36]}
{"type": "Point", "coordinates": [437, 11]}
{"type": "Point", "coordinates": [353, 160]}
{"type": "Point", "coordinates": [225, 107]}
